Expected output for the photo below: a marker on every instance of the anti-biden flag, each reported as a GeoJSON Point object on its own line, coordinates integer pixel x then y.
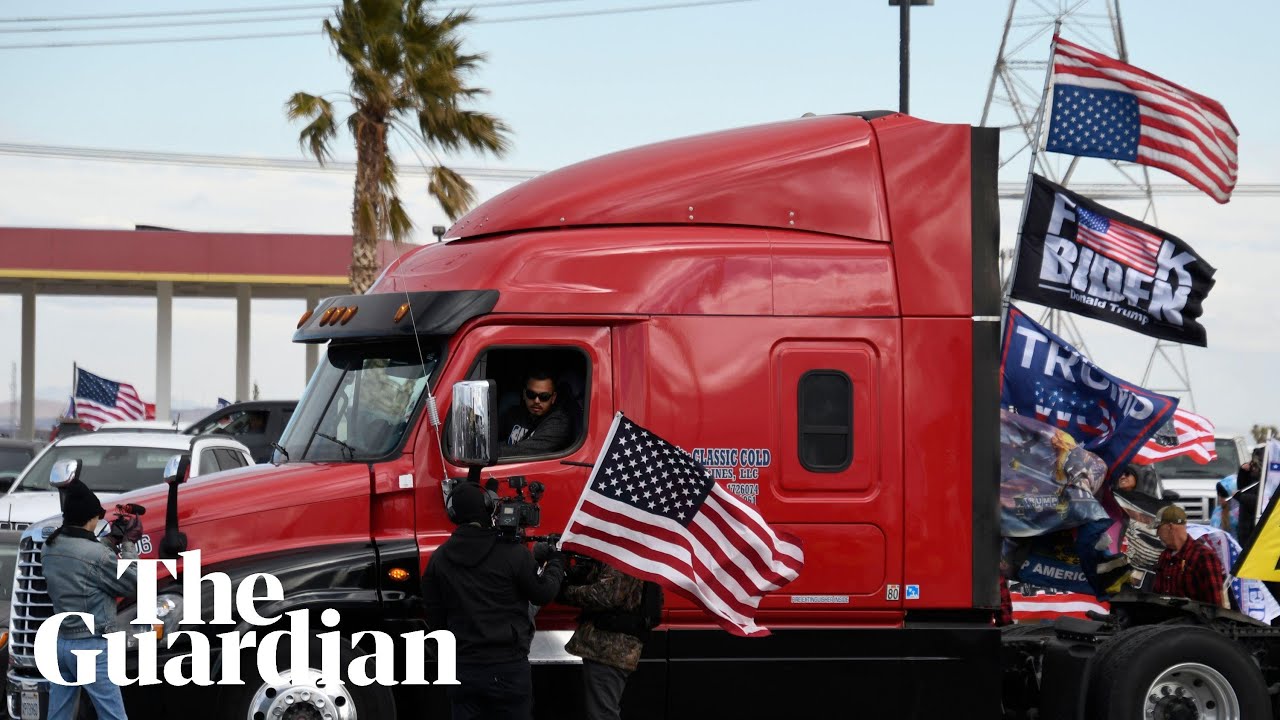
{"type": "Point", "coordinates": [652, 511]}
{"type": "Point", "coordinates": [1043, 377]}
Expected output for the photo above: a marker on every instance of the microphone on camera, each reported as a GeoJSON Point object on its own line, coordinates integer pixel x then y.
{"type": "Point", "coordinates": [133, 509]}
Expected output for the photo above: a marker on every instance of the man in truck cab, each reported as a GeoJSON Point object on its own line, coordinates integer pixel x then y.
{"type": "Point", "coordinates": [1187, 568]}
{"type": "Point", "coordinates": [538, 425]}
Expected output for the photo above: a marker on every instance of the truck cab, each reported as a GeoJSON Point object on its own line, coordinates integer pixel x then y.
{"type": "Point", "coordinates": [1196, 484]}
{"type": "Point", "coordinates": [810, 308]}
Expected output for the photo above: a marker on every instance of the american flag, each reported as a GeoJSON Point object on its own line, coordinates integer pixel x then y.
{"type": "Point", "coordinates": [1194, 437]}
{"type": "Point", "coordinates": [99, 400]}
{"type": "Point", "coordinates": [1107, 109]}
{"type": "Point", "coordinates": [1124, 244]}
{"type": "Point", "coordinates": [653, 512]}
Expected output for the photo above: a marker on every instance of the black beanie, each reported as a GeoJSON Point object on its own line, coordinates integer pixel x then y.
{"type": "Point", "coordinates": [470, 504]}
{"type": "Point", "coordinates": [80, 505]}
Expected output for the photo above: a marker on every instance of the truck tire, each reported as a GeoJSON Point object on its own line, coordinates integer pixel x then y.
{"type": "Point", "coordinates": [302, 696]}
{"type": "Point", "coordinates": [1176, 671]}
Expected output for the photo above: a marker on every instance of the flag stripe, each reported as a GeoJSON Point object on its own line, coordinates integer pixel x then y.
{"type": "Point", "coordinates": [1194, 438]}
{"type": "Point", "coordinates": [616, 519]}
{"type": "Point", "coordinates": [782, 544]}
{"type": "Point", "coordinates": [1107, 245]}
{"type": "Point", "coordinates": [684, 563]}
{"type": "Point", "coordinates": [745, 545]}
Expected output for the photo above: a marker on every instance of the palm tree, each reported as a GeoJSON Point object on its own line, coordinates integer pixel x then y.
{"type": "Point", "coordinates": [408, 76]}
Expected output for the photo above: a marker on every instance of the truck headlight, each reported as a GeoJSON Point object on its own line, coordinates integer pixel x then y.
{"type": "Point", "coordinates": [168, 612]}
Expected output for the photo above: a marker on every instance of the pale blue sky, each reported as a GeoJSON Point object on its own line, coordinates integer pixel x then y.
{"type": "Point", "coordinates": [572, 89]}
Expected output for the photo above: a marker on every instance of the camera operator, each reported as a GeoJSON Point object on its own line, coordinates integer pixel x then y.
{"type": "Point", "coordinates": [81, 576]}
{"type": "Point", "coordinates": [479, 587]}
{"type": "Point", "coordinates": [618, 613]}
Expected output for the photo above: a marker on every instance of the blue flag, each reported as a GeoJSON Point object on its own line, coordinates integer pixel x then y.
{"type": "Point", "coordinates": [1045, 378]}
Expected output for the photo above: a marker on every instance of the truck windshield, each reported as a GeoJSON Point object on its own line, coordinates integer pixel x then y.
{"type": "Point", "coordinates": [360, 402]}
{"type": "Point", "coordinates": [1183, 466]}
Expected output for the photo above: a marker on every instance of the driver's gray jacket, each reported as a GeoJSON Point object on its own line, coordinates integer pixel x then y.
{"type": "Point", "coordinates": [81, 575]}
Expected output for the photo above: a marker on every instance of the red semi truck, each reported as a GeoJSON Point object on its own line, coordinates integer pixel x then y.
{"type": "Point", "coordinates": [812, 309]}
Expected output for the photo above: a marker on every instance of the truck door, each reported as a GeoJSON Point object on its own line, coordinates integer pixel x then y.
{"type": "Point", "coordinates": [577, 362]}
{"type": "Point", "coordinates": [835, 419]}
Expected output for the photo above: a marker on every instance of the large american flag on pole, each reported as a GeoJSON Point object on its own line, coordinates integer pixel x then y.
{"type": "Point", "coordinates": [653, 512]}
{"type": "Point", "coordinates": [99, 400]}
{"type": "Point", "coordinates": [1108, 109]}
{"type": "Point", "coordinates": [1192, 435]}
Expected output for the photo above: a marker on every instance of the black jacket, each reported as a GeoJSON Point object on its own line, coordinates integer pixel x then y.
{"type": "Point", "coordinates": [479, 588]}
{"type": "Point", "coordinates": [547, 434]}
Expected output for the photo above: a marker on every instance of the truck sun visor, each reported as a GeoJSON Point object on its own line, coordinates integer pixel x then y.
{"type": "Point", "coordinates": [392, 315]}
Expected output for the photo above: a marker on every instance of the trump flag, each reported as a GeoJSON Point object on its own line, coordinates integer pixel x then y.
{"type": "Point", "coordinates": [652, 511]}
{"type": "Point", "coordinates": [1044, 377]}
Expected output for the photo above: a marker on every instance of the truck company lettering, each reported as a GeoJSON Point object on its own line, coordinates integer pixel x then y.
{"type": "Point", "coordinates": [1079, 256]}
{"type": "Point", "coordinates": [194, 666]}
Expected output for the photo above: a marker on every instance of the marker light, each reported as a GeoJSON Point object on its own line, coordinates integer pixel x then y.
{"type": "Point", "coordinates": [303, 320]}
{"type": "Point", "coordinates": [324, 319]}
{"type": "Point", "coordinates": [401, 312]}
{"type": "Point", "coordinates": [398, 574]}
{"type": "Point", "coordinates": [350, 313]}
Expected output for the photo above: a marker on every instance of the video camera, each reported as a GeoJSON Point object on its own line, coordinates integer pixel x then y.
{"type": "Point", "coordinates": [514, 513]}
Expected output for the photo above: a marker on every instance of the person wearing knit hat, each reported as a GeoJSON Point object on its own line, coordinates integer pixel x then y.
{"type": "Point", "coordinates": [81, 573]}
{"type": "Point", "coordinates": [480, 587]}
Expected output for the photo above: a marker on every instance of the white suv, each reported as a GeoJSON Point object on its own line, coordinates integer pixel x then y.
{"type": "Point", "coordinates": [1197, 484]}
{"type": "Point", "coordinates": [111, 464]}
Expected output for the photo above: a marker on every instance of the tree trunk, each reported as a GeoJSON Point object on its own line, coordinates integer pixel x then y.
{"type": "Point", "coordinates": [367, 216]}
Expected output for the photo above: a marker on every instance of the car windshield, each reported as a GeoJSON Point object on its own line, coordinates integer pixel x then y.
{"type": "Point", "coordinates": [13, 459]}
{"type": "Point", "coordinates": [103, 468]}
{"type": "Point", "coordinates": [360, 402]}
{"type": "Point", "coordinates": [1183, 466]}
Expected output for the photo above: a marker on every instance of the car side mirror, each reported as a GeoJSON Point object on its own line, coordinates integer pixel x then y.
{"type": "Point", "coordinates": [64, 473]}
{"type": "Point", "coordinates": [473, 439]}
{"type": "Point", "coordinates": [175, 471]}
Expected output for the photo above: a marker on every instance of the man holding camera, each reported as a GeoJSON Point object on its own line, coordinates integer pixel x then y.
{"type": "Point", "coordinates": [81, 575]}
{"type": "Point", "coordinates": [479, 587]}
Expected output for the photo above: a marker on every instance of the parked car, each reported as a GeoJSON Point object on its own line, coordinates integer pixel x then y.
{"type": "Point", "coordinates": [256, 423]}
{"type": "Point", "coordinates": [138, 426]}
{"type": "Point", "coordinates": [113, 463]}
{"type": "Point", "coordinates": [14, 456]}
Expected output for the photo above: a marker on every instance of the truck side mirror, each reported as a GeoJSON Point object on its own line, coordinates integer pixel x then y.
{"type": "Point", "coordinates": [473, 439]}
{"type": "Point", "coordinates": [175, 471]}
{"type": "Point", "coordinates": [64, 473]}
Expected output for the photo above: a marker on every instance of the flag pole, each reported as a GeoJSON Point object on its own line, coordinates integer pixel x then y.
{"type": "Point", "coordinates": [608, 440]}
{"type": "Point", "coordinates": [1045, 100]}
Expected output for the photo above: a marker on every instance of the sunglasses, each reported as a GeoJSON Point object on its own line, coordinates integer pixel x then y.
{"type": "Point", "coordinates": [544, 397]}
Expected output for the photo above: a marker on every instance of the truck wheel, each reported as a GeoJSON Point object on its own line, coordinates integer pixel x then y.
{"type": "Point", "coordinates": [302, 695]}
{"type": "Point", "coordinates": [1176, 672]}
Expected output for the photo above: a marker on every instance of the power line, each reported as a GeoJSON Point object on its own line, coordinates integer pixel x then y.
{"type": "Point", "coordinates": [1007, 190]}
{"type": "Point", "coordinates": [237, 161]}
{"type": "Point", "coordinates": [259, 9]}
{"type": "Point", "coordinates": [300, 33]}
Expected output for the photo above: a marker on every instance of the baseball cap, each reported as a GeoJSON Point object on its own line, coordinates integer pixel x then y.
{"type": "Point", "coordinates": [1171, 515]}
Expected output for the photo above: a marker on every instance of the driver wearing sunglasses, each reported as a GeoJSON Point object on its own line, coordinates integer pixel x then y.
{"type": "Point", "coordinates": [538, 426]}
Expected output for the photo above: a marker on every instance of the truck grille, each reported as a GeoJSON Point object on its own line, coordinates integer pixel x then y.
{"type": "Point", "coordinates": [30, 605]}
{"type": "Point", "coordinates": [1199, 509]}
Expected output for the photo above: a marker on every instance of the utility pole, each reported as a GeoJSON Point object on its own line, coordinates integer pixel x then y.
{"type": "Point", "coordinates": [904, 49]}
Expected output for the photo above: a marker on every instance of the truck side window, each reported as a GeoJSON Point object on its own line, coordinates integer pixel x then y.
{"type": "Point", "coordinates": [543, 416]}
{"type": "Point", "coordinates": [825, 399]}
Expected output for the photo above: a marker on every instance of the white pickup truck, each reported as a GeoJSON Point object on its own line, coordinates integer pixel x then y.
{"type": "Point", "coordinates": [113, 463]}
{"type": "Point", "coordinates": [1196, 484]}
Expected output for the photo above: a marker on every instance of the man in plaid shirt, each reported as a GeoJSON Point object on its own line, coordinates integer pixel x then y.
{"type": "Point", "coordinates": [1187, 568]}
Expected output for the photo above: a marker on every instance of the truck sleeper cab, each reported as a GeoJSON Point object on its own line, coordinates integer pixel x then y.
{"type": "Point", "coordinates": [810, 307]}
